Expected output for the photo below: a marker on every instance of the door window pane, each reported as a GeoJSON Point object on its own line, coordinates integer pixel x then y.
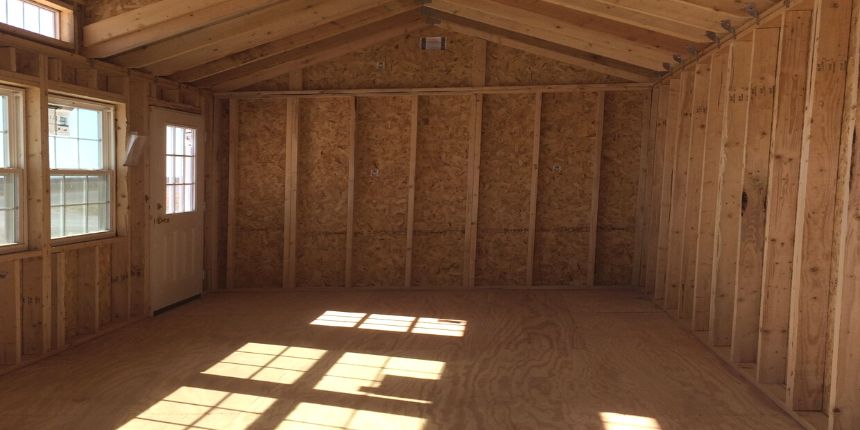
{"type": "Point", "coordinates": [180, 166]}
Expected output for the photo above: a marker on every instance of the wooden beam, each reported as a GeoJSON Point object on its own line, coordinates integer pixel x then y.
{"type": "Point", "coordinates": [698, 138]}
{"type": "Point", "coordinates": [646, 177]}
{"type": "Point", "coordinates": [535, 163]}
{"type": "Point", "coordinates": [717, 100]}
{"type": "Point", "coordinates": [309, 55]}
{"type": "Point", "coordinates": [745, 325]}
{"type": "Point", "coordinates": [844, 400]}
{"type": "Point", "coordinates": [677, 215]}
{"type": "Point", "coordinates": [291, 192]}
{"type": "Point", "coordinates": [597, 158]}
{"type": "Point", "coordinates": [735, 8]}
{"type": "Point", "coordinates": [783, 184]}
{"type": "Point", "coordinates": [158, 21]}
{"type": "Point", "coordinates": [316, 34]}
{"type": "Point", "coordinates": [557, 31]}
{"type": "Point", "coordinates": [350, 195]}
{"type": "Point", "coordinates": [473, 188]}
{"type": "Point", "coordinates": [657, 179]}
{"type": "Point", "coordinates": [410, 202]}
{"type": "Point", "coordinates": [845, 377]}
{"type": "Point", "coordinates": [677, 87]}
{"type": "Point", "coordinates": [727, 226]}
{"type": "Point", "coordinates": [659, 24]}
{"type": "Point", "coordinates": [546, 49]}
{"type": "Point", "coordinates": [687, 13]}
{"type": "Point", "coordinates": [247, 31]}
{"type": "Point", "coordinates": [387, 92]}
{"type": "Point", "coordinates": [232, 171]}
{"type": "Point", "coordinates": [812, 277]}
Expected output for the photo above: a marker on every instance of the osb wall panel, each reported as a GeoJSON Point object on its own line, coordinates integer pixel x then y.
{"type": "Point", "coordinates": [403, 65]}
{"type": "Point", "coordinates": [505, 189]}
{"type": "Point", "coordinates": [323, 176]}
{"type": "Point", "coordinates": [509, 66]}
{"type": "Point", "coordinates": [399, 63]}
{"type": "Point", "coordinates": [260, 193]}
{"type": "Point", "coordinates": [383, 129]}
{"type": "Point", "coordinates": [565, 183]}
{"type": "Point", "coordinates": [619, 182]}
{"type": "Point", "coordinates": [442, 160]}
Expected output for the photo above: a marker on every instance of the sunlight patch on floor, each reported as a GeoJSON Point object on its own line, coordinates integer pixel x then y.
{"type": "Point", "coordinates": [393, 323]}
{"type": "Point", "coordinates": [268, 363]}
{"type": "Point", "coordinates": [613, 421]}
{"type": "Point", "coordinates": [199, 408]}
{"type": "Point", "coordinates": [365, 375]}
{"type": "Point", "coordinates": [313, 416]}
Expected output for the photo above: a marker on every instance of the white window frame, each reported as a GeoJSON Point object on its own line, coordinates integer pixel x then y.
{"type": "Point", "coordinates": [58, 16]}
{"type": "Point", "coordinates": [17, 157]}
{"type": "Point", "coordinates": [108, 166]}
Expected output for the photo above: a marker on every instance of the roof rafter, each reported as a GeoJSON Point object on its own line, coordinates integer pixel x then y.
{"type": "Point", "coordinates": [636, 18]}
{"type": "Point", "coordinates": [556, 31]}
{"type": "Point", "coordinates": [234, 35]}
{"type": "Point", "coordinates": [306, 37]}
{"type": "Point", "coordinates": [543, 48]}
{"type": "Point", "coordinates": [158, 21]}
{"type": "Point", "coordinates": [315, 53]}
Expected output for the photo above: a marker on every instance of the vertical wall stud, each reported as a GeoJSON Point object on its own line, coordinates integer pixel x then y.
{"type": "Point", "coordinates": [534, 190]}
{"type": "Point", "coordinates": [595, 191]}
{"type": "Point", "coordinates": [410, 204]}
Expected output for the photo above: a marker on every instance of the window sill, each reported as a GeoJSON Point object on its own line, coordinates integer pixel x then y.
{"type": "Point", "coordinates": [82, 240]}
{"type": "Point", "coordinates": [36, 37]}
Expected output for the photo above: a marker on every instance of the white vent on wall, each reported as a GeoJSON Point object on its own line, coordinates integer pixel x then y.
{"type": "Point", "coordinates": [438, 43]}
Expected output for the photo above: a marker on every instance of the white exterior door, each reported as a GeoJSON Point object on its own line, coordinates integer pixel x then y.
{"type": "Point", "coordinates": [176, 207]}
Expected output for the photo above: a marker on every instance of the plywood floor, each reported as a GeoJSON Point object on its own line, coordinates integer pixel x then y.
{"type": "Point", "coordinates": [392, 360]}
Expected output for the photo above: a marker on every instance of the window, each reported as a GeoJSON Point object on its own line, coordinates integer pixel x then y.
{"type": "Point", "coordinates": [81, 160]}
{"type": "Point", "coordinates": [180, 158]}
{"type": "Point", "coordinates": [10, 167]}
{"type": "Point", "coordinates": [31, 16]}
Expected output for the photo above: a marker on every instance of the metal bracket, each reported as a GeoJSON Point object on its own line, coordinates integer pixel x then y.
{"type": "Point", "coordinates": [752, 11]}
{"type": "Point", "coordinates": [693, 51]}
{"type": "Point", "coordinates": [713, 36]}
{"type": "Point", "coordinates": [726, 24]}
{"type": "Point", "coordinates": [678, 58]}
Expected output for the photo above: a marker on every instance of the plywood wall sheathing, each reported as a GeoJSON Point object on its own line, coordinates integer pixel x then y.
{"type": "Point", "coordinates": [10, 317]}
{"type": "Point", "coordinates": [505, 175]}
{"type": "Point", "coordinates": [624, 119]}
{"type": "Point", "coordinates": [745, 326]}
{"type": "Point", "coordinates": [718, 93]}
{"type": "Point", "coordinates": [259, 194]}
{"type": "Point", "coordinates": [31, 307]}
{"type": "Point", "coordinates": [677, 216]}
{"type": "Point", "coordinates": [727, 232]}
{"type": "Point", "coordinates": [323, 165]}
{"type": "Point", "coordinates": [442, 158]}
{"type": "Point", "coordinates": [383, 127]}
{"type": "Point", "coordinates": [398, 63]}
{"type": "Point", "coordinates": [569, 152]}
{"type": "Point", "coordinates": [509, 66]}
